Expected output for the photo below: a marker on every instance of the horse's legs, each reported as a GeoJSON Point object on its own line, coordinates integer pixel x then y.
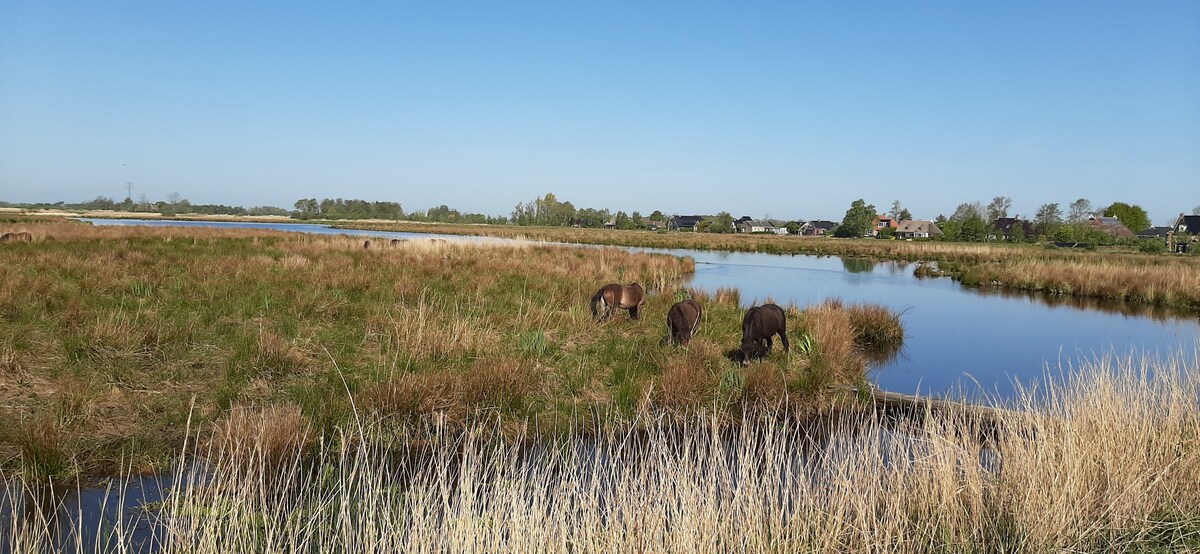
{"type": "Point", "coordinates": [784, 340]}
{"type": "Point", "coordinates": [770, 343]}
{"type": "Point", "coordinates": [633, 312]}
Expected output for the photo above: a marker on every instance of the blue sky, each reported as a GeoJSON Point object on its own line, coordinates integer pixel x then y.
{"type": "Point", "coordinates": [790, 109]}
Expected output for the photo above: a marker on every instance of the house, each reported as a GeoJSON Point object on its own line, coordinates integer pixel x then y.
{"type": "Point", "coordinates": [881, 222]}
{"type": "Point", "coordinates": [1187, 225]}
{"type": "Point", "coordinates": [762, 226]}
{"type": "Point", "coordinates": [1162, 233]}
{"type": "Point", "coordinates": [1110, 225]}
{"type": "Point", "coordinates": [684, 222]}
{"type": "Point", "coordinates": [918, 229]}
{"type": "Point", "coordinates": [1004, 226]}
{"type": "Point", "coordinates": [655, 225]}
{"type": "Point", "coordinates": [1184, 234]}
{"type": "Point", "coordinates": [819, 228]}
{"type": "Point", "coordinates": [611, 223]}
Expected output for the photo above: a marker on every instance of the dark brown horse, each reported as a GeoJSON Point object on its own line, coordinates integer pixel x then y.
{"type": "Point", "coordinates": [16, 237]}
{"type": "Point", "coordinates": [366, 245]}
{"type": "Point", "coordinates": [682, 321]}
{"type": "Point", "coordinates": [396, 242]}
{"type": "Point", "coordinates": [759, 326]}
{"type": "Point", "coordinates": [613, 296]}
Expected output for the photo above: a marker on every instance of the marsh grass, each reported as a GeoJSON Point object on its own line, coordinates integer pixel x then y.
{"type": "Point", "coordinates": [1114, 274]}
{"type": "Point", "coordinates": [1113, 466]}
{"type": "Point", "coordinates": [137, 321]}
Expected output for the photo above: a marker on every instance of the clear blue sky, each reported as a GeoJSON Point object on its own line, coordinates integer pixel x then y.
{"type": "Point", "coordinates": [785, 109]}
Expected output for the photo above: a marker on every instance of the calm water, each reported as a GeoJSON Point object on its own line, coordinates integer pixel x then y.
{"type": "Point", "coordinates": [956, 336]}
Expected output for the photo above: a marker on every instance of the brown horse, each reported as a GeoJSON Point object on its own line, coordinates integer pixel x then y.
{"type": "Point", "coordinates": [682, 321]}
{"type": "Point", "coordinates": [759, 326]}
{"type": "Point", "coordinates": [16, 237]}
{"type": "Point", "coordinates": [397, 242]}
{"type": "Point", "coordinates": [613, 296]}
{"type": "Point", "coordinates": [366, 245]}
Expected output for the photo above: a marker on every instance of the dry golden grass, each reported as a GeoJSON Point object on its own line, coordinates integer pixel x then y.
{"type": "Point", "coordinates": [259, 440]}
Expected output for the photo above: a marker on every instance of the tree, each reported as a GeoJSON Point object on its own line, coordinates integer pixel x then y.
{"type": "Point", "coordinates": [1048, 217]}
{"type": "Point", "coordinates": [857, 221]}
{"type": "Point", "coordinates": [904, 215]}
{"type": "Point", "coordinates": [998, 208]}
{"type": "Point", "coordinates": [1017, 234]}
{"type": "Point", "coordinates": [1196, 210]}
{"type": "Point", "coordinates": [974, 229]}
{"type": "Point", "coordinates": [623, 221]}
{"type": "Point", "coordinates": [1079, 211]}
{"type": "Point", "coordinates": [723, 223]}
{"type": "Point", "coordinates": [896, 210]}
{"type": "Point", "coordinates": [1133, 217]}
{"type": "Point", "coordinates": [636, 220]}
{"type": "Point", "coordinates": [793, 227]}
{"type": "Point", "coordinates": [657, 216]}
{"type": "Point", "coordinates": [967, 211]}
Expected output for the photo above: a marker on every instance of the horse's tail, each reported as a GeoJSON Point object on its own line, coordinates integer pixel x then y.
{"type": "Point", "coordinates": [597, 298]}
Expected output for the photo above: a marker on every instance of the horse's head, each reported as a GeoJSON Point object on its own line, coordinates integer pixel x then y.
{"type": "Point", "coordinates": [751, 349]}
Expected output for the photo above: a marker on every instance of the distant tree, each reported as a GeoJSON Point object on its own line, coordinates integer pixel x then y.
{"type": "Point", "coordinates": [793, 227]}
{"type": "Point", "coordinates": [1017, 234]}
{"type": "Point", "coordinates": [887, 233]}
{"type": "Point", "coordinates": [904, 215]}
{"type": "Point", "coordinates": [657, 216]}
{"type": "Point", "coordinates": [1065, 233]}
{"type": "Point", "coordinates": [174, 199]}
{"type": "Point", "coordinates": [636, 220]}
{"type": "Point", "coordinates": [894, 213]}
{"type": "Point", "coordinates": [1079, 210]}
{"type": "Point", "coordinates": [950, 229]}
{"type": "Point", "coordinates": [857, 221]}
{"type": "Point", "coordinates": [1049, 217]}
{"type": "Point", "coordinates": [1132, 216]}
{"type": "Point", "coordinates": [967, 211]}
{"type": "Point", "coordinates": [940, 219]}
{"type": "Point", "coordinates": [1196, 210]}
{"type": "Point", "coordinates": [974, 229]}
{"type": "Point", "coordinates": [998, 208]}
{"type": "Point", "coordinates": [623, 221]}
{"type": "Point", "coordinates": [722, 223]}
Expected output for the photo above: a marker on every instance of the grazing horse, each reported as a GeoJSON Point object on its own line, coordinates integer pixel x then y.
{"type": "Point", "coordinates": [759, 325]}
{"type": "Point", "coordinates": [613, 296]}
{"type": "Point", "coordinates": [682, 321]}
{"type": "Point", "coordinates": [16, 237]}
{"type": "Point", "coordinates": [396, 242]}
{"type": "Point", "coordinates": [366, 245]}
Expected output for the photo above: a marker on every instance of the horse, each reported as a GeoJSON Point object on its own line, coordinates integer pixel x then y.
{"type": "Point", "coordinates": [758, 327]}
{"type": "Point", "coordinates": [16, 237]}
{"type": "Point", "coordinates": [366, 245]}
{"type": "Point", "coordinates": [397, 242]}
{"type": "Point", "coordinates": [682, 321]}
{"type": "Point", "coordinates": [613, 296]}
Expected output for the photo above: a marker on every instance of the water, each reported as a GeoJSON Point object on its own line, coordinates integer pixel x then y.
{"type": "Point", "coordinates": [958, 338]}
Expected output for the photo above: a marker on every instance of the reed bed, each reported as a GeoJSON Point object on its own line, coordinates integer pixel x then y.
{"type": "Point", "coordinates": [1103, 458]}
{"type": "Point", "coordinates": [1112, 274]}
